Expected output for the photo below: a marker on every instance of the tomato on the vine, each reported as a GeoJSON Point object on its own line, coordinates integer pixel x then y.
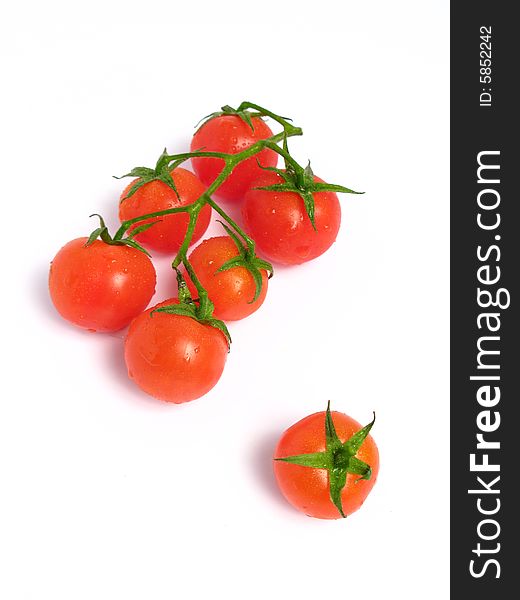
{"type": "Point", "coordinates": [168, 233]}
{"type": "Point", "coordinates": [233, 291]}
{"type": "Point", "coordinates": [279, 223]}
{"type": "Point", "coordinates": [231, 134]}
{"type": "Point", "coordinates": [326, 464]}
{"type": "Point", "coordinates": [172, 357]}
{"type": "Point", "coordinates": [100, 286]}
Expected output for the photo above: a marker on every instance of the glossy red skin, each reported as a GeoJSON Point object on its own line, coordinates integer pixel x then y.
{"type": "Point", "coordinates": [169, 233]}
{"type": "Point", "coordinates": [174, 358]}
{"type": "Point", "coordinates": [100, 287]}
{"type": "Point", "coordinates": [231, 291]}
{"type": "Point", "coordinates": [230, 134]}
{"type": "Point", "coordinates": [280, 226]}
{"type": "Point", "coordinates": [307, 489]}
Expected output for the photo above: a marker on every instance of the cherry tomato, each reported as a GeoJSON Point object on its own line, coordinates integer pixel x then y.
{"type": "Point", "coordinates": [230, 134]}
{"type": "Point", "coordinates": [100, 287]}
{"type": "Point", "coordinates": [231, 291]}
{"type": "Point", "coordinates": [174, 358]}
{"type": "Point", "coordinates": [280, 226]}
{"type": "Point", "coordinates": [308, 488]}
{"type": "Point", "coordinates": [154, 196]}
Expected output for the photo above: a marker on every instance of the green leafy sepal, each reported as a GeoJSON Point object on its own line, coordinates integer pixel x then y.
{"type": "Point", "coordinates": [103, 234]}
{"type": "Point", "coordinates": [161, 172]}
{"type": "Point", "coordinates": [247, 258]}
{"type": "Point", "coordinates": [299, 180]}
{"type": "Point", "coordinates": [187, 307]}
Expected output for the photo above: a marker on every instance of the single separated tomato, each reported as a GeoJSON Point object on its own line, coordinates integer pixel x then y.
{"type": "Point", "coordinates": [279, 223]}
{"type": "Point", "coordinates": [100, 287]}
{"type": "Point", "coordinates": [172, 357]}
{"type": "Point", "coordinates": [232, 291]}
{"type": "Point", "coordinates": [231, 134]}
{"type": "Point", "coordinates": [168, 233]}
{"type": "Point", "coordinates": [326, 464]}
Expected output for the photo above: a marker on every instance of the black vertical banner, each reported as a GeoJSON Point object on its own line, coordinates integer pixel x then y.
{"type": "Point", "coordinates": [485, 269]}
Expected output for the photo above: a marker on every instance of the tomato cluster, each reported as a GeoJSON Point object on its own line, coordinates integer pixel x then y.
{"type": "Point", "coordinates": [176, 350]}
{"type": "Point", "coordinates": [102, 283]}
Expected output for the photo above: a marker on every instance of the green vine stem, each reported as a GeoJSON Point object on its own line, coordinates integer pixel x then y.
{"type": "Point", "coordinates": [230, 162]}
{"type": "Point", "coordinates": [295, 178]}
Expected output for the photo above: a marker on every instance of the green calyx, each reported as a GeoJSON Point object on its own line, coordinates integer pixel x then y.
{"type": "Point", "coordinates": [161, 172]}
{"type": "Point", "coordinates": [201, 311]}
{"type": "Point", "coordinates": [300, 180]}
{"type": "Point", "coordinates": [246, 116]}
{"type": "Point", "coordinates": [339, 459]}
{"type": "Point", "coordinates": [247, 258]}
{"type": "Point", "coordinates": [103, 234]}
{"type": "Point", "coordinates": [247, 111]}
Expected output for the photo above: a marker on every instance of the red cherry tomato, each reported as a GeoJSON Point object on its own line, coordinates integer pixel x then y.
{"type": "Point", "coordinates": [231, 291]}
{"type": "Point", "coordinates": [280, 226]}
{"type": "Point", "coordinates": [100, 287]}
{"type": "Point", "coordinates": [307, 488]}
{"type": "Point", "coordinates": [174, 358]}
{"type": "Point", "coordinates": [154, 196]}
{"type": "Point", "coordinates": [230, 134]}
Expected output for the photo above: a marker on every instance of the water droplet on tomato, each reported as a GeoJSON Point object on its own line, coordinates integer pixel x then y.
{"type": "Point", "coordinates": [303, 251]}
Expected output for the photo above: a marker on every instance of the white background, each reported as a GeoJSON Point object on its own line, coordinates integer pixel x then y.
{"type": "Point", "coordinates": [108, 494]}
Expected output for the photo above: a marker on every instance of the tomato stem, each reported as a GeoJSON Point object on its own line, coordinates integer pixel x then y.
{"type": "Point", "coordinates": [229, 221]}
{"type": "Point", "coordinates": [289, 160]}
{"type": "Point", "coordinates": [289, 128]}
{"type": "Point", "coordinates": [183, 250]}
